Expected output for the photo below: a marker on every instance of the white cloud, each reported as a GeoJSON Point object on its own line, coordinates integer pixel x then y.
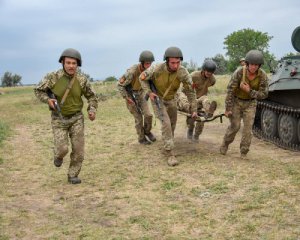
{"type": "Point", "coordinates": [111, 34]}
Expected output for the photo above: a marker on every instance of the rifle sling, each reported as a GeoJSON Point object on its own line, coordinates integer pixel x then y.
{"type": "Point", "coordinates": [169, 88]}
{"type": "Point", "coordinates": [67, 91]}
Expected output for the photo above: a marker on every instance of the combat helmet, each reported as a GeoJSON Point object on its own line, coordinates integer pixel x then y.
{"type": "Point", "coordinates": [209, 65]}
{"type": "Point", "coordinates": [146, 56]}
{"type": "Point", "coordinates": [254, 57]}
{"type": "Point", "coordinates": [72, 53]}
{"type": "Point", "coordinates": [242, 59]}
{"type": "Point", "coordinates": [173, 52]}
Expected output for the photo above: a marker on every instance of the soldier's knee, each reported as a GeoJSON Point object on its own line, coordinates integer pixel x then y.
{"type": "Point", "coordinates": [63, 150]}
{"type": "Point", "coordinates": [236, 127]}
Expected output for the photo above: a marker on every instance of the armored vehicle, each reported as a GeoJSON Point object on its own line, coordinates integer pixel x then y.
{"type": "Point", "coordinates": [278, 117]}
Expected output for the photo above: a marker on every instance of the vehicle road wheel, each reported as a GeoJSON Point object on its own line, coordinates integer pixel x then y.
{"type": "Point", "coordinates": [287, 129]}
{"type": "Point", "coordinates": [269, 121]}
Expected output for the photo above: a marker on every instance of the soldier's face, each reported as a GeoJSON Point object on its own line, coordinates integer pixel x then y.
{"type": "Point", "coordinates": [147, 65]}
{"type": "Point", "coordinates": [70, 65]}
{"type": "Point", "coordinates": [174, 64]}
{"type": "Point", "coordinates": [207, 74]}
{"type": "Point", "coordinates": [253, 67]}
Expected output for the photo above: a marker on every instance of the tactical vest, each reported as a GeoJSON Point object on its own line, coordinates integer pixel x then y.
{"type": "Point", "coordinates": [163, 81]}
{"type": "Point", "coordinates": [254, 84]}
{"type": "Point", "coordinates": [73, 102]}
{"type": "Point", "coordinates": [135, 83]}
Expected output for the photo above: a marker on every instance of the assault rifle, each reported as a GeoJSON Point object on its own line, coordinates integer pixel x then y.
{"type": "Point", "coordinates": [133, 97]}
{"type": "Point", "coordinates": [56, 104]}
{"type": "Point", "coordinates": [156, 100]}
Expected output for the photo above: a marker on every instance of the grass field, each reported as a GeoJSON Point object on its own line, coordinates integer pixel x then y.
{"type": "Point", "coordinates": [128, 191]}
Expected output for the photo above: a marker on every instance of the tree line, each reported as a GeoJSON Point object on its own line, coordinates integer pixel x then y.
{"type": "Point", "coordinates": [236, 44]}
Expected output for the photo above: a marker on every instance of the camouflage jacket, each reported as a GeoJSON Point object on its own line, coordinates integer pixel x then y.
{"type": "Point", "coordinates": [201, 83]}
{"type": "Point", "coordinates": [234, 84]}
{"type": "Point", "coordinates": [130, 77]}
{"type": "Point", "coordinates": [50, 79]}
{"type": "Point", "coordinates": [155, 72]}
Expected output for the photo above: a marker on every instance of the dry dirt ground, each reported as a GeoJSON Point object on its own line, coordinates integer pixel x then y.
{"type": "Point", "coordinates": [129, 192]}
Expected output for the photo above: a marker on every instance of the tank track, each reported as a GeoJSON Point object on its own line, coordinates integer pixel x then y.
{"type": "Point", "coordinates": [264, 104]}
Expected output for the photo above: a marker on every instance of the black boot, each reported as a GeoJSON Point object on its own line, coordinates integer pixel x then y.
{"type": "Point", "coordinates": [190, 133]}
{"type": "Point", "coordinates": [144, 141]}
{"type": "Point", "coordinates": [58, 162]}
{"type": "Point", "coordinates": [151, 137]}
{"type": "Point", "coordinates": [74, 180]}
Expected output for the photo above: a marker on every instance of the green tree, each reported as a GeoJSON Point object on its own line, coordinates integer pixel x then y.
{"type": "Point", "coordinates": [238, 43]}
{"type": "Point", "coordinates": [190, 66]}
{"type": "Point", "coordinates": [110, 79]}
{"type": "Point", "coordinates": [222, 63]}
{"type": "Point", "coordinates": [10, 80]}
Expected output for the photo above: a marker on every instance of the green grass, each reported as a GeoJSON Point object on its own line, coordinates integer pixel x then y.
{"type": "Point", "coordinates": [4, 131]}
{"type": "Point", "coordinates": [128, 191]}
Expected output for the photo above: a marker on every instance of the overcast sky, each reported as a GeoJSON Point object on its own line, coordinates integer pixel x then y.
{"type": "Point", "coordinates": [110, 34]}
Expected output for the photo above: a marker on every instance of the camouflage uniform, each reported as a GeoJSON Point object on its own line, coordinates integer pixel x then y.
{"type": "Point", "coordinates": [243, 106]}
{"type": "Point", "coordinates": [131, 77]}
{"type": "Point", "coordinates": [72, 124]}
{"type": "Point", "coordinates": [201, 85]}
{"type": "Point", "coordinates": [162, 79]}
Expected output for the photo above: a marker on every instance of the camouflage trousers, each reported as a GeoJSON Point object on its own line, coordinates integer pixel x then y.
{"type": "Point", "coordinates": [168, 119]}
{"type": "Point", "coordinates": [143, 121]}
{"type": "Point", "coordinates": [242, 110]}
{"type": "Point", "coordinates": [72, 127]}
{"type": "Point", "coordinates": [203, 103]}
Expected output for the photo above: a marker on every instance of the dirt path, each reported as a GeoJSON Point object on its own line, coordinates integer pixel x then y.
{"type": "Point", "coordinates": [117, 194]}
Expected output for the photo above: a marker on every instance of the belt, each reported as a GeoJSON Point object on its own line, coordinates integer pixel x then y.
{"type": "Point", "coordinates": [247, 100]}
{"type": "Point", "coordinates": [68, 116]}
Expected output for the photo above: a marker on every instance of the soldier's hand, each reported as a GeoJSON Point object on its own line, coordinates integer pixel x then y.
{"type": "Point", "coordinates": [194, 115]}
{"type": "Point", "coordinates": [129, 101]}
{"type": "Point", "coordinates": [51, 103]}
{"type": "Point", "coordinates": [92, 116]}
{"type": "Point", "coordinates": [228, 113]}
{"type": "Point", "coordinates": [152, 96]}
{"type": "Point", "coordinates": [245, 87]}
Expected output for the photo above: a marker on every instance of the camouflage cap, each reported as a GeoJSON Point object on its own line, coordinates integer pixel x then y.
{"type": "Point", "coordinates": [242, 59]}
{"type": "Point", "coordinates": [72, 53]}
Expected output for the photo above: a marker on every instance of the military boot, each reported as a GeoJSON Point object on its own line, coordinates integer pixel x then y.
{"type": "Point", "coordinates": [171, 159]}
{"type": "Point", "coordinates": [144, 141]}
{"type": "Point", "coordinates": [189, 134]}
{"type": "Point", "coordinates": [212, 109]}
{"type": "Point", "coordinates": [58, 162]}
{"type": "Point", "coordinates": [196, 138]}
{"type": "Point", "coordinates": [151, 137]}
{"type": "Point", "coordinates": [244, 156]}
{"type": "Point", "coordinates": [223, 149]}
{"type": "Point", "coordinates": [74, 180]}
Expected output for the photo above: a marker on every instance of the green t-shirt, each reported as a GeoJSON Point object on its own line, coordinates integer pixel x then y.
{"type": "Point", "coordinates": [73, 102]}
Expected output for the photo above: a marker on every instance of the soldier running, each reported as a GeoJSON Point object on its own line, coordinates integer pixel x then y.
{"type": "Point", "coordinates": [166, 79]}
{"type": "Point", "coordinates": [247, 85]}
{"type": "Point", "coordinates": [202, 80]}
{"type": "Point", "coordinates": [62, 91]}
{"type": "Point", "coordinates": [130, 89]}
